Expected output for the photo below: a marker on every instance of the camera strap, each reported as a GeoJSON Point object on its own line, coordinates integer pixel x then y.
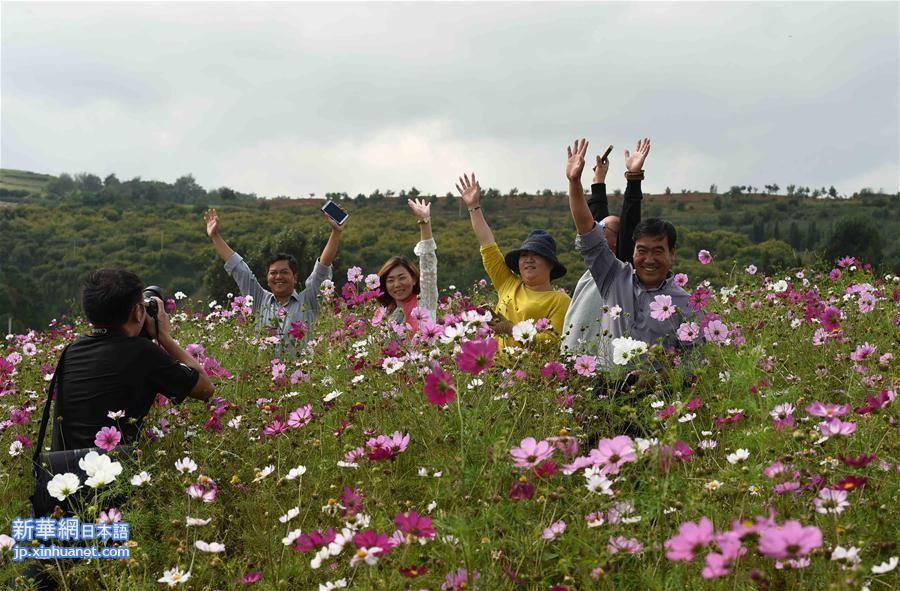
{"type": "Point", "coordinates": [55, 384]}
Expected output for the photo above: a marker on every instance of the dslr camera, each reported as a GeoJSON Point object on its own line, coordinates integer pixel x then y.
{"type": "Point", "coordinates": [150, 292]}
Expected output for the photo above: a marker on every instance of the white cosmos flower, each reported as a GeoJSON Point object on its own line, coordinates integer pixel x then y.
{"type": "Point", "coordinates": [600, 485]}
{"type": "Point", "coordinates": [391, 365]}
{"type": "Point", "coordinates": [739, 455]}
{"type": "Point", "coordinates": [295, 472]}
{"type": "Point", "coordinates": [16, 447]}
{"type": "Point", "coordinates": [291, 537]}
{"type": "Point", "coordinates": [174, 576]}
{"type": "Point", "coordinates": [850, 554]}
{"type": "Point", "coordinates": [264, 472]}
{"type": "Point", "coordinates": [524, 332]}
{"type": "Point", "coordinates": [180, 295]}
{"type": "Point", "coordinates": [186, 465]}
{"type": "Point", "coordinates": [886, 567]}
{"type": "Point", "coordinates": [292, 512]}
{"type": "Point", "coordinates": [140, 479]}
{"type": "Point", "coordinates": [63, 485]}
{"type": "Point", "coordinates": [626, 349]}
{"type": "Point", "coordinates": [209, 547]}
{"type": "Point", "coordinates": [196, 521]}
{"type": "Point", "coordinates": [331, 395]}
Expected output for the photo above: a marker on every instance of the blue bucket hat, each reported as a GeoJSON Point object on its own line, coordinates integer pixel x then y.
{"type": "Point", "coordinates": [538, 242]}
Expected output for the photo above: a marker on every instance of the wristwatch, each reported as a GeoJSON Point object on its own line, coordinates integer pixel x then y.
{"type": "Point", "coordinates": [425, 220]}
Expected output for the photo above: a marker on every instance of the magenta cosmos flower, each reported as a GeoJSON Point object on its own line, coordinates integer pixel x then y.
{"type": "Point", "coordinates": [414, 525]}
{"type": "Point", "coordinates": [476, 356]}
{"type": "Point", "coordinates": [692, 537]}
{"type": "Point", "coordinates": [789, 540]}
{"type": "Point", "coordinates": [439, 386]}
{"type": "Point", "coordinates": [530, 452]}
{"type": "Point", "coordinates": [863, 351]}
{"type": "Point", "coordinates": [704, 257]}
{"type": "Point", "coordinates": [107, 438]}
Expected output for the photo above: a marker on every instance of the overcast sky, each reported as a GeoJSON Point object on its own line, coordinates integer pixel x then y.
{"type": "Point", "coordinates": [299, 98]}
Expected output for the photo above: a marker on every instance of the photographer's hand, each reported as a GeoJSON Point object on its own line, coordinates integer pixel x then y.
{"type": "Point", "coordinates": [161, 330]}
{"type": "Point", "coordinates": [212, 230]}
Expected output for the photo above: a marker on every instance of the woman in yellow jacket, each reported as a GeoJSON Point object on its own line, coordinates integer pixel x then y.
{"type": "Point", "coordinates": [521, 278]}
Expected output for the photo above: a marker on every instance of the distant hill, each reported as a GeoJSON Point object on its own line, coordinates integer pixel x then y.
{"type": "Point", "coordinates": [56, 228]}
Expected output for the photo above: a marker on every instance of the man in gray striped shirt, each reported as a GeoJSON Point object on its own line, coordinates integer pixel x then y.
{"type": "Point", "coordinates": [280, 306]}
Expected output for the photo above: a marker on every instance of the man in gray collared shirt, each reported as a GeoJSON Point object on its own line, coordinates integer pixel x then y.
{"type": "Point", "coordinates": [282, 275]}
{"type": "Point", "coordinates": [633, 288]}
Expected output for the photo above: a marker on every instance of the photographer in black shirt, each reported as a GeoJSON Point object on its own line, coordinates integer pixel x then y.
{"type": "Point", "coordinates": [115, 369]}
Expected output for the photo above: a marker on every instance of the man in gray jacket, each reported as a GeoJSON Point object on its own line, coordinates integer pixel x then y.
{"type": "Point", "coordinates": [583, 325]}
{"type": "Point", "coordinates": [632, 287]}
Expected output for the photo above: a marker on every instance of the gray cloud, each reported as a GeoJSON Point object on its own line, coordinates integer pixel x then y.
{"type": "Point", "coordinates": [297, 98]}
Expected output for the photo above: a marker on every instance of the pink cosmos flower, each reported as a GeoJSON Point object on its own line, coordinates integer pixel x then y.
{"type": "Point", "coordinates": [276, 427]}
{"type": "Point", "coordinates": [718, 564]}
{"type": "Point", "coordinates": [113, 515]}
{"type": "Point", "coordinates": [818, 409]}
{"type": "Point", "coordinates": [613, 453]}
{"type": "Point", "coordinates": [204, 489]}
{"type": "Point", "coordinates": [384, 447]}
{"type": "Point", "coordinates": [661, 308]}
{"type": "Point", "coordinates": [439, 386]}
{"type": "Point", "coordinates": [837, 427]}
{"type": "Point", "coordinates": [831, 500]}
{"type": "Point", "coordinates": [414, 525]}
{"type": "Point", "coordinates": [704, 257]}
{"type": "Point", "coordinates": [585, 365]}
{"type": "Point", "coordinates": [691, 538]}
{"type": "Point", "coordinates": [681, 279]}
{"type": "Point", "coordinates": [476, 356]}
{"type": "Point", "coordinates": [867, 302]}
{"type": "Point", "coordinates": [107, 438]}
{"type": "Point", "coordinates": [555, 529]}
{"type": "Point", "coordinates": [460, 579]}
{"type": "Point", "coordinates": [789, 540]}
{"type": "Point", "coordinates": [688, 332]}
{"type": "Point", "coordinates": [863, 351]}
{"type": "Point", "coordinates": [300, 417]}
{"type": "Point", "coordinates": [716, 331]}
{"type": "Point", "coordinates": [354, 274]}
{"type": "Point", "coordinates": [622, 544]}
{"type": "Point", "coordinates": [530, 452]}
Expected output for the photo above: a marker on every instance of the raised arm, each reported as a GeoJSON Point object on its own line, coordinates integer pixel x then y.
{"type": "Point", "coordinates": [631, 207]}
{"type": "Point", "coordinates": [581, 213]}
{"type": "Point", "coordinates": [331, 247]}
{"type": "Point", "coordinates": [470, 193]}
{"type": "Point", "coordinates": [212, 230]}
{"type": "Point", "coordinates": [599, 203]}
{"type": "Point", "coordinates": [425, 250]}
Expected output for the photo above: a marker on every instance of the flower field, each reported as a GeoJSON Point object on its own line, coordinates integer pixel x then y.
{"type": "Point", "coordinates": [373, 459]}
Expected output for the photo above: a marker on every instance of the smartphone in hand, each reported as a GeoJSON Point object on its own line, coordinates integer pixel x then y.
{"type": "Point", "coordinates": [335, 212]}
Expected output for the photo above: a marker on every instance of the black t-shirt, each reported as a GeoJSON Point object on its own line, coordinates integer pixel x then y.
{"type": "Point", "coordinates": [112, 372]}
